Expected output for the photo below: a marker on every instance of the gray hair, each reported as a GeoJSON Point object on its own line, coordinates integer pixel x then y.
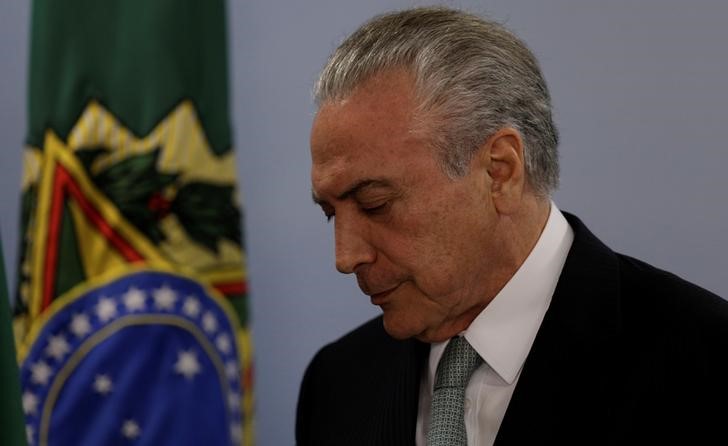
{"type": "Point", "coordinates": [473, 76]}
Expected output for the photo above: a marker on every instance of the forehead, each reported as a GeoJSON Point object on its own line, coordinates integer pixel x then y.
{"type": "Point", "coordinates": [369, 133]}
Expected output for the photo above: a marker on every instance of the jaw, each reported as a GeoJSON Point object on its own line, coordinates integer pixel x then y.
{"type": "Point", "coordinates": [425, 319]}
{"type": "Point", "coordinates": [450, 327]}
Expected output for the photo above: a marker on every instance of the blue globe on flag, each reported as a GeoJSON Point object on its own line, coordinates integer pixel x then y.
{"type": "Point", "coordinates": [149, 358]}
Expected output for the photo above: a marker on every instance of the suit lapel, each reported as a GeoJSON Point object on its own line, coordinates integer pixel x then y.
{"type": "Point", "coordinates": [573, 356]}
{"type": "Point", "coordinates": [384, 400]}
{"type": "Point", "coordinates": [400, 390]}
{"type": "Point", "coordinates": [408, 385]}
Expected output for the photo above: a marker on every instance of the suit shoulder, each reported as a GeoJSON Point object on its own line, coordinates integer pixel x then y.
{"type": "Point", "coordinates": [637, 274]}
{"type": "Point", "coordinates": [367, 352]}
{"type": "Point", "coordinates": [370, 331]}
{"type": "Point", "coordinates": [666, 296]}
{"type": "Point", "coordinates": [368, 342]}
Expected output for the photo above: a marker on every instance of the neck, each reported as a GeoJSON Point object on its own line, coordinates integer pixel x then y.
{"type": "Point", "coordinates": [521, 231]}
{"type": "Point", "coordinates": [528, 225]}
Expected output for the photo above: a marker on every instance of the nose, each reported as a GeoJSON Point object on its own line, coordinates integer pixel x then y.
{"type": "Point", "coordinates": [353, 248]}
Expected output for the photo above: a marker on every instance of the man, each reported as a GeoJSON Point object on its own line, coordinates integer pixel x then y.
{"type": "Point", "coordinates": [434, 155]}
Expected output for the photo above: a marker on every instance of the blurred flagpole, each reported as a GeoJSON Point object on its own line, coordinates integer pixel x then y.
{"type": "Point", "coordinates": [11, 415]}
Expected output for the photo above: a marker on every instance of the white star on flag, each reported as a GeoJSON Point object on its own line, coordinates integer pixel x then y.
{"type": "Point", "coordinates": [106, 309]}
{"type": "Point", "coordinates": [209, 322]}
{"type": "Point", "coordinates": [134, 299]}
{"type": "Point", "coordinates": [223, 343]}
{"type": "Point", "coordinates": [30, 403]}
{"type": "Point", "coordinates": [231, 370]}
{"type": "Point", "coordinates": [234, 400]}
{"type": "Point", "coordinates": [57, 347]}
{"type": "Point", "coordinates": [191, 307]}
{"type": "Point", "coordinates": [236, 433]}
{"type": "Point", "coordinates": [80, 325]}
{"type": "Point", "coordinates": [164, 298]}
{"type": "Point", "coordinates": [130, 429]}
{"type": "Point", "coordinates": [103, 384]}
{"type": "Point", "coordinates": [40, 373]}
{"type": "Point", "coordinates": [29, 434]}
{"type": "Point", "coordinates": [187, 364]}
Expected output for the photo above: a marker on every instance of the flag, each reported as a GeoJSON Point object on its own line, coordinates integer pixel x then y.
{"type": "Point", "coordinates": [11, 416]}
{"type": "Point", "coordinates": [131, 305]}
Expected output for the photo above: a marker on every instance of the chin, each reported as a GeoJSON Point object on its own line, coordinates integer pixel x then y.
{"type": "Point", "coordinates": [398, 327]}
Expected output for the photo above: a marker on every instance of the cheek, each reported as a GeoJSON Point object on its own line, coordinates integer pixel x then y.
{"type": "Point", "coordinates": [431, 243]}
{"type": "Point", "coordinates": [432, 263]}
{"type": "Point", "coordinates": [446, 259]}
{"type": "Point", "coordinates": [439, 277]}
{"type": "Point", "coordinates": [428, 249]}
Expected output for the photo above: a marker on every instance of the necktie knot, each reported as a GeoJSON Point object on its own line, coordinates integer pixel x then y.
{"type": "Point", "coordinates": [458, 362]}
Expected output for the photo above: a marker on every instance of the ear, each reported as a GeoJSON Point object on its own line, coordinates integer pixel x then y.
{"type": "Point", "coordinates": [506, 169]}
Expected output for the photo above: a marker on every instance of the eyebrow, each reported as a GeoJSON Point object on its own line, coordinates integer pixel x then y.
{"type": "Point", "coordinates": [353, 190]}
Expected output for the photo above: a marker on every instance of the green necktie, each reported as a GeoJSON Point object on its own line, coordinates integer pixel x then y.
{"type": "Point", "coordinates": [447, 426]}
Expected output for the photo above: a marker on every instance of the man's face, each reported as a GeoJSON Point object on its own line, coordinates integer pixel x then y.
{"type": "Point", "coordinates": [423, 246]}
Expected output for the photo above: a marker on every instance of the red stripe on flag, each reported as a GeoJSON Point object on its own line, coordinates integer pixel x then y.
{"type": "Point", "coordinates": [54, 229]}
{"type": "Point", "coordinates": [232, 288]}
{"type": "Point", "coordinates": [126, 249]}
{"type": "Point", "coordinates": [64, 184]}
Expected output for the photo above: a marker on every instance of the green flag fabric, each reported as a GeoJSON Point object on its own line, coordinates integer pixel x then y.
{"type": "Point", "coordinates": [12, 424]}
{"type": "Point", "coordinates": [131, 304]}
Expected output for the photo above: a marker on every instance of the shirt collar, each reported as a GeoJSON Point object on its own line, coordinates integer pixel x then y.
{"type": "Point", "coordinates": [504, 331]}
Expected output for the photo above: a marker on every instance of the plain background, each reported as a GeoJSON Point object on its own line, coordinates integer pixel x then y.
{"type": "Point", "coordinates": [639, 95]}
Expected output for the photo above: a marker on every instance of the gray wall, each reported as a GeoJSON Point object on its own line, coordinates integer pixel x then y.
{"type": "Point", "coordinates": [639, 89]}
{"type": "Point", "coordinates": [14, 44]}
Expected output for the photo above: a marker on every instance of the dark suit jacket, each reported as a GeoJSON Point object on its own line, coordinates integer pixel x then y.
{"type": "Point", "coordinates": [626, 354]}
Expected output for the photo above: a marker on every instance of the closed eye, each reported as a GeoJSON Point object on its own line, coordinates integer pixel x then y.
{"type": "Point", "coordinates": [375, 210]}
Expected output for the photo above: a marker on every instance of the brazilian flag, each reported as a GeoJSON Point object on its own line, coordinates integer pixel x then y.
{"type": "Point", "coordinates": [131, 308]}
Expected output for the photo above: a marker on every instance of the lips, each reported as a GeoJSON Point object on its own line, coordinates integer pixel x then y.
{"type": "Point", "coordinates": [378, 287]}
{"type": "Point", "coordinates": [381, 298]}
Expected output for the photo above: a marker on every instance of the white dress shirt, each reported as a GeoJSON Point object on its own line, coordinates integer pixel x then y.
{"type": "Point", "coordinates": [502, 334]}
